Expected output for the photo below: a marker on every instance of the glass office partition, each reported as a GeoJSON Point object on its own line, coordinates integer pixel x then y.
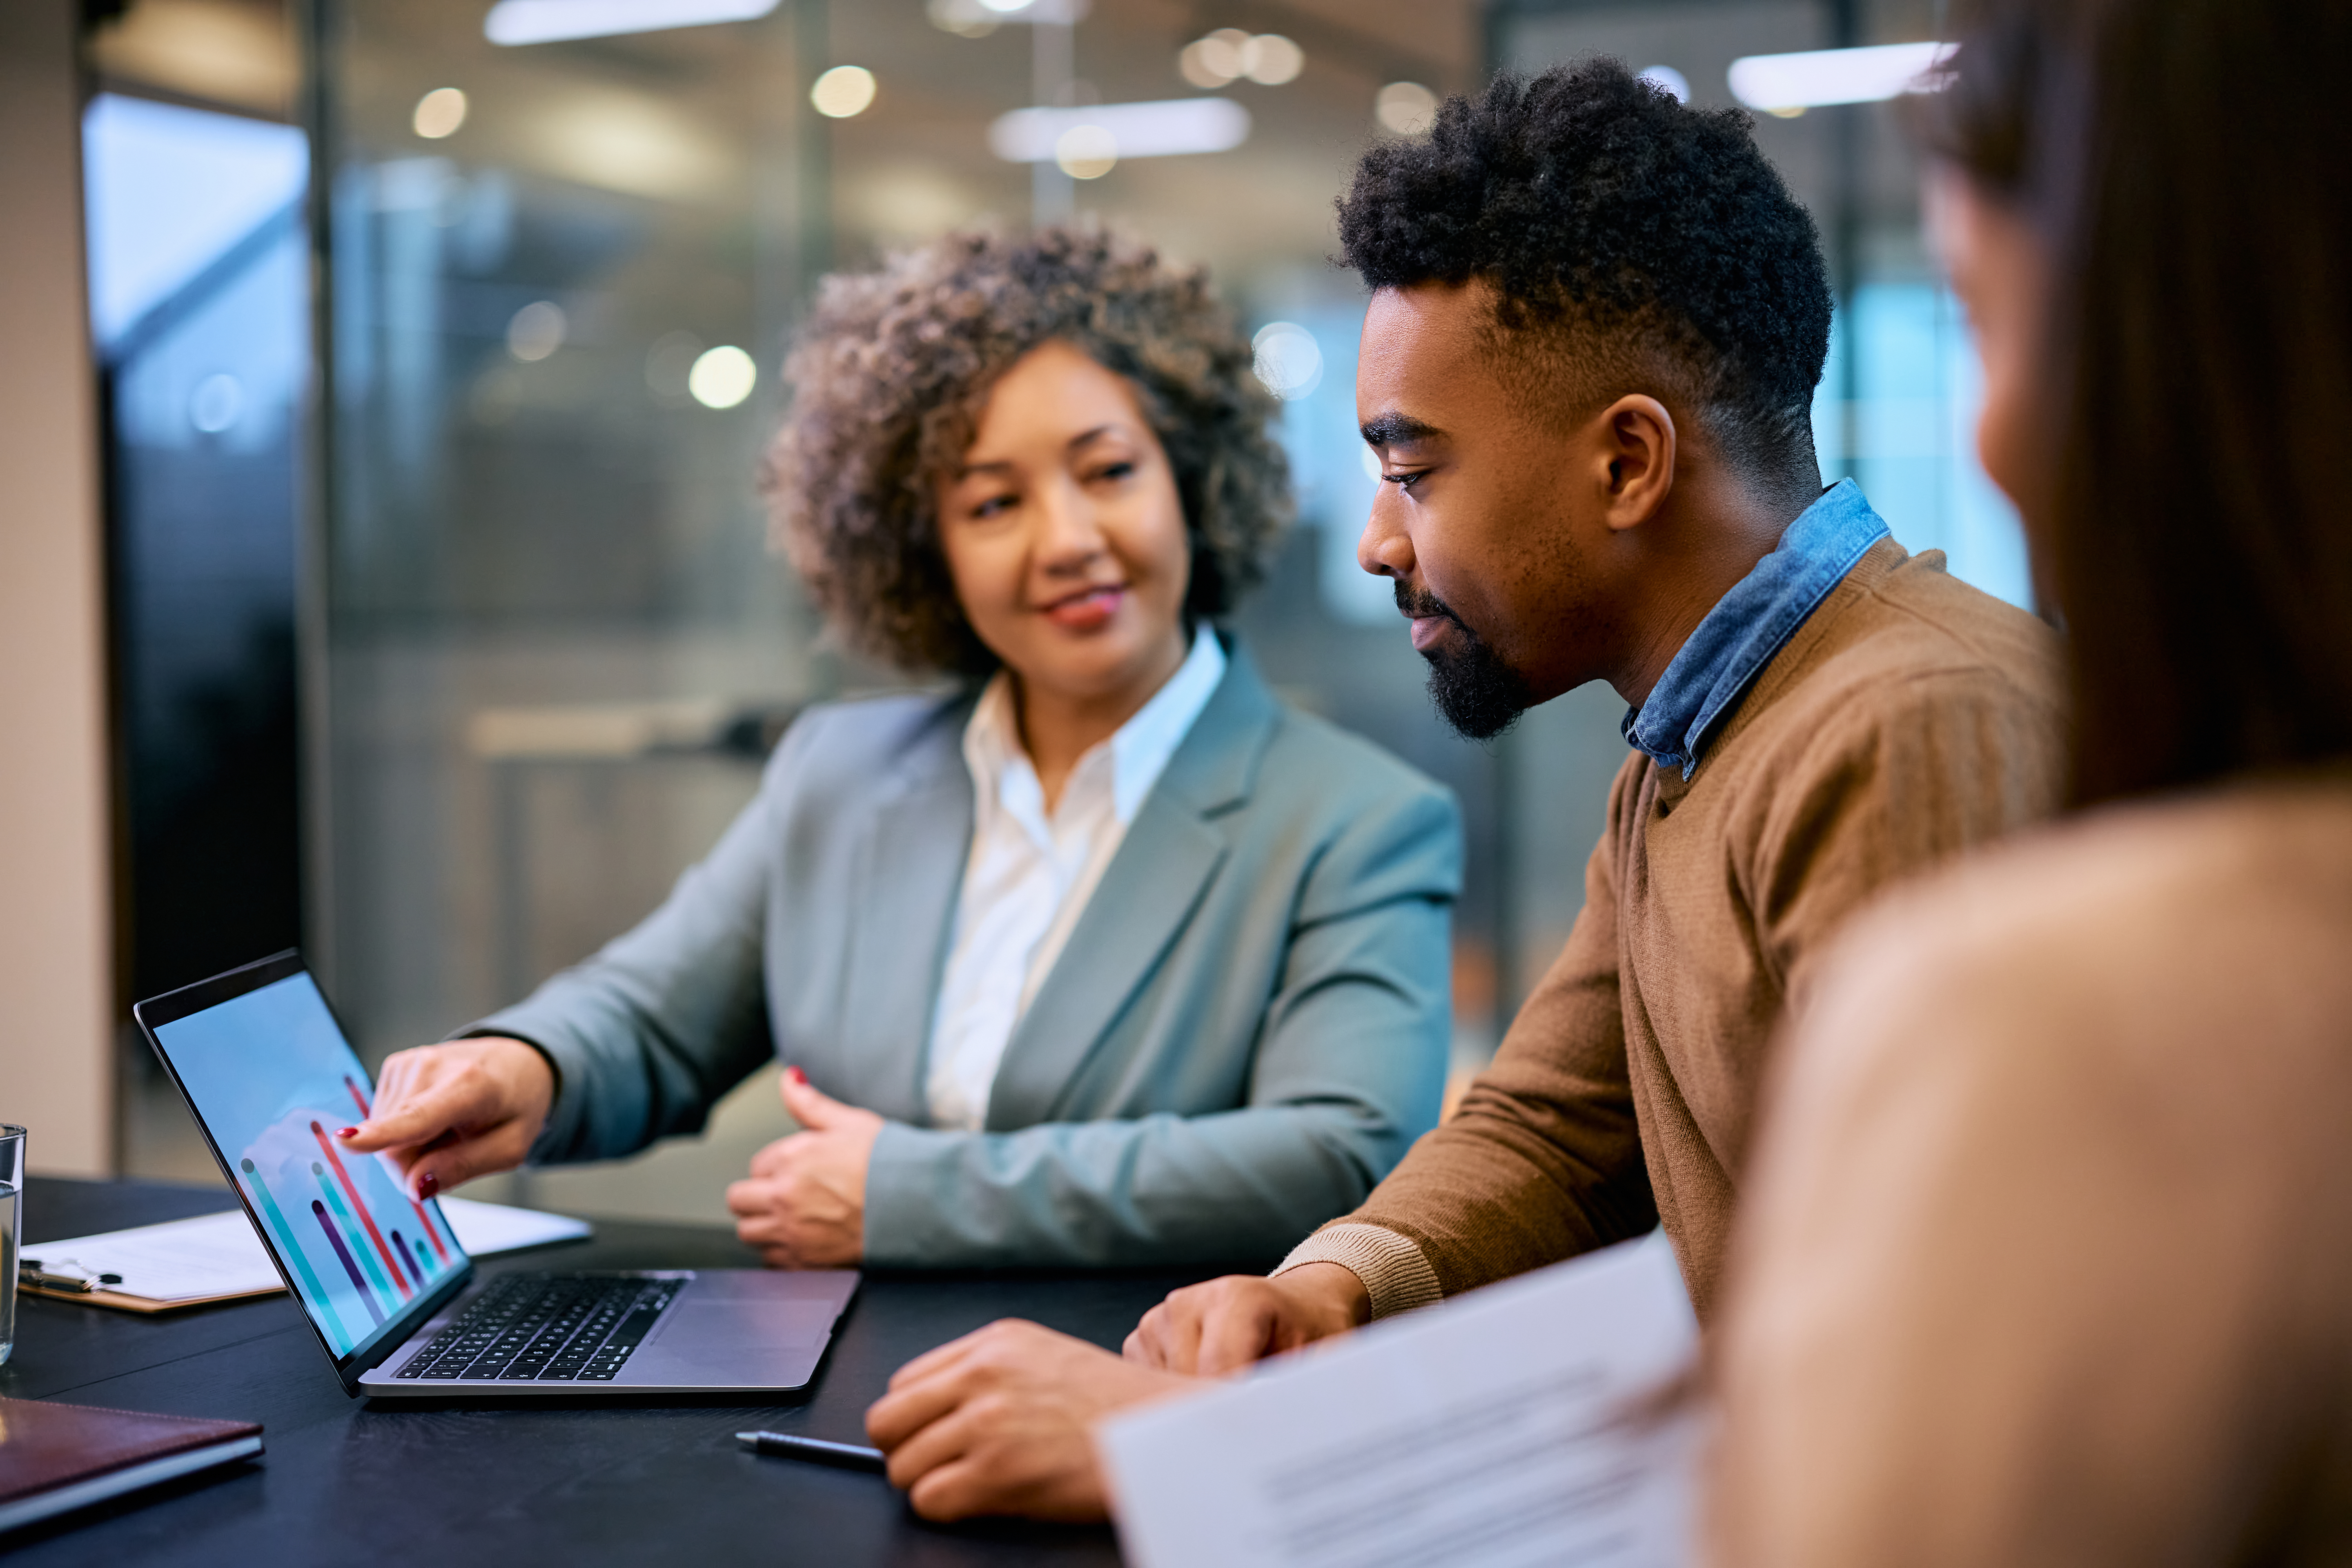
{"type": "Point", "coordinates": [198, 258]}
{"type": "Point", "coordinates": [561, 275]}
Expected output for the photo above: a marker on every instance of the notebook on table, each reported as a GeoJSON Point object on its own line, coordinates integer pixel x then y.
{"type": "Point", "coordinates": [388, 1287]}
{"type": "Point", "coordinates": [55, 1458]}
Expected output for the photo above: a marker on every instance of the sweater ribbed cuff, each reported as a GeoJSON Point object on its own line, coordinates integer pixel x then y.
{"type": "Point", "coordinates": [1395, 1275]}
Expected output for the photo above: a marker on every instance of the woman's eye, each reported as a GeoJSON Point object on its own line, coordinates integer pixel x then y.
{"type": "Point", "coordinates": [1119, 471]}
{"type": "Point", "coordinates": [995, 506]}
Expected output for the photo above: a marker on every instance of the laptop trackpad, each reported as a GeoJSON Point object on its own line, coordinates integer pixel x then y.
{"type": "Point", "coordinates": [702, 1328]}
{"type": "Point", "coordinates": [721, 1340]}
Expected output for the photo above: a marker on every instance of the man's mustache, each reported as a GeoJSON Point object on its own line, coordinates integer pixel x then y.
{"type": "Point", "coordinates": [1420, 605]}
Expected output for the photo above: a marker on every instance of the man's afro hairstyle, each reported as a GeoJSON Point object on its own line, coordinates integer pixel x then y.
{"type": "Point", "coordinates": [1591, 198]}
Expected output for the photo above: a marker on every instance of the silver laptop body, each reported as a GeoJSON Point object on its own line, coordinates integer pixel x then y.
{"type": "Point", "coordinates": [714, 1330]}
{"type": "Point", "coordinates": [392, 1296]}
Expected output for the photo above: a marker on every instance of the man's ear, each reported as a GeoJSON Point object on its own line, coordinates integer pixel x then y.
{"type": "Point", "coordinates": [1636, 458]}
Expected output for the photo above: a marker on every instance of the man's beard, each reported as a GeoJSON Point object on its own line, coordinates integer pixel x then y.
{"type": "Point", "coordinates": [1475, 690]}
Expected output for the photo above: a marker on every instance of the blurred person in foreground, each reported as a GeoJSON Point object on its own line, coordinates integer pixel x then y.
{"type": "Point", "coordinates": [1104, 957]}
{"type": "Point", "coordinates": [1597, 321]}
{"type": "Point", "coordinates": [2044, 1260]}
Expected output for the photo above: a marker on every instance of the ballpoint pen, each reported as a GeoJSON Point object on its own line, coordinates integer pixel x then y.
{"type": "Point", "coordinates": [854, 1455]}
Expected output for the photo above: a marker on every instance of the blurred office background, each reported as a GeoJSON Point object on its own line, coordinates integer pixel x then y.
{"type": "Point", "coordinates": [438, 350]}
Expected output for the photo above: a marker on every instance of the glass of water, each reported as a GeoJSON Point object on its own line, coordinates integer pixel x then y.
{"type": "Point", "coordinates": [12, 1216]}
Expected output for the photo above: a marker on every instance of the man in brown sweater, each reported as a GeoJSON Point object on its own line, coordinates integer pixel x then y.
{"type": "Point", "coordinates": [1588, 363]}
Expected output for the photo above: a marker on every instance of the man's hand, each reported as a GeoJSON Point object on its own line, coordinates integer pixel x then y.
{"type": "Point", "coordinates": [448, 1113]}
{"type": "Point", "coordinates": [997, 1422]}
{"type": "Point", "coordinates": [803, 1205]}
{"type": "Point", "coordinates": [1221, 1327]}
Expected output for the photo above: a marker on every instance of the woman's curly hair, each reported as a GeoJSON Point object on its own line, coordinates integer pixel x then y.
{"type": "Point", "coordinates": [889, 378]}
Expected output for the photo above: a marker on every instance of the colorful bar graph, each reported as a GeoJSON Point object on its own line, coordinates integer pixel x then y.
{"type": "Point", "coordinates": [294, 1255]}
{"type": "Point", "coordinates": [431, 1232]}
{"type": "Point", "coordinates": [360, 1206]}
{"type": "Point", "coordinates": [367, 1258]}
{"type": "Point", "coordinates": [318, 1212]}
{"type": "Point", "coordinates": [408, 1260]}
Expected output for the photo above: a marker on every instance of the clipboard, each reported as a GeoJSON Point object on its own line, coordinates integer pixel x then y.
{"type": "Point", "coordinates": [216, 1257]}
{"type": "Point", "coordinates": [99, 1295]}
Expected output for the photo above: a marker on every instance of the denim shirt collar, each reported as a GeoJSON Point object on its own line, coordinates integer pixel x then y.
{"type": "Point", "coordinates": [1750, 625]}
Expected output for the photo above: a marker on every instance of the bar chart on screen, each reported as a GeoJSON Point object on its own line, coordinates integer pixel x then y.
{"type": "Point", "coordinates": [355, 1246]}
{"type": "Point", "coordinates": [366, 1250]}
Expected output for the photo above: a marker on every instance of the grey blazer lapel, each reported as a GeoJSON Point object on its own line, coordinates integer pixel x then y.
{"type": "Point", "coordinates": [1172, 851]}
{"type": "Point", "coordinates": [903, 906]}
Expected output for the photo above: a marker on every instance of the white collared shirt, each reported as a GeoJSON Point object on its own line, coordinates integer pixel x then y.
{"type": "Point", "coordinates": [1030, 874]}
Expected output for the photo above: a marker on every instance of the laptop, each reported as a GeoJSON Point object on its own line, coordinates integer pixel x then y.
{"type": "Point", "coordinates": [389, 1293]}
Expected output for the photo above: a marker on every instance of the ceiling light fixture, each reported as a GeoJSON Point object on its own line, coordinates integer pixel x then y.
{"type": "Point", "coordinates": [515, 22]}
{"type": "Point", "coordinates": [978, 18]}
{"type": "Point", "coordinates": [1670, 79]}
{"type": "Point", "coordinates": [1813, 79]}
{"type": "Point", "coordinates": [1159, 130]}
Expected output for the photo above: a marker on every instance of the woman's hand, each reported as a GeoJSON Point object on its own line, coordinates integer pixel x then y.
{"type": "Point", "coordinates": [803, 1205]}
{"type": "Point", "coordinates": [450, 1112]}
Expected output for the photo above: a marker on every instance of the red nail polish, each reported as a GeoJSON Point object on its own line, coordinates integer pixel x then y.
{"type": "Point", "coordinates": [796, 1075]}
{"type": "Point", "coordinates": [347, 1132]}
{"type": "Point", "coordinates": [427, 1184]}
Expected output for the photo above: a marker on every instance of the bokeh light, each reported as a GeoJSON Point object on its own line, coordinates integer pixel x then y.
{"type": "Point", "coordinates": [1216, 60]}
{"type": "Point", "coordinates": [722, 377]}
{"type": "Point", "coordinates": [843, 91]}
{"type": "Point", "coordinates": [216, 403]}
{"type": "Point", "coordinates": [439, 113]}
{"type": "Point", "coordinates": [1270, 60]}
{"type": "Point", "coordinates": [1405, 109]}
{"type": "Point", "coordinates": [1289, 360]}
{"type": "Point", "coordinates": [1086, 151]}
{"type": "Point", "coordinates": [535, 330]}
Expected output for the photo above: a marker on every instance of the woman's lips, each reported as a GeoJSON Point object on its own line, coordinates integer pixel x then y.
{"type": "Point", "coordinates": [1083, 612]}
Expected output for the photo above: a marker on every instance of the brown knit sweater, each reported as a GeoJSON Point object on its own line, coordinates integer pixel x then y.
{"type": "Point", "coordinates": [1910, 718]}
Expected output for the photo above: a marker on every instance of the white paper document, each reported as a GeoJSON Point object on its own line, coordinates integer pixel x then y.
{"type": "Point", "coordinates": [218, 1255]}
{"type": "Point", "coordinates": [1516, 1425]}
{"type": "Point", "coordinates": [484, 1228]}
{"type": "Point", "coordinates": [180, 1260]}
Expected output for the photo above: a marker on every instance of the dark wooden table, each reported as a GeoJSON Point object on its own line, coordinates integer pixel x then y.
{"type": "Point", "coordinates": [349, 1481]}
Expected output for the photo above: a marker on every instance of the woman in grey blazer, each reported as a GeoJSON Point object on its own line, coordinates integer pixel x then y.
{"type": "Point", "coordinates": [1107, 957]}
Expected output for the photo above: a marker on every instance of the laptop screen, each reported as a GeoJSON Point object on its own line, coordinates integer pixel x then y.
{"type": "Point", "coordinates": [272, 1077]}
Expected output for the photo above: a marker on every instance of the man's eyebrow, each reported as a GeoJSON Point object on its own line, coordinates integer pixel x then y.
{"type": "Point", "coordinates": [1394, 429]}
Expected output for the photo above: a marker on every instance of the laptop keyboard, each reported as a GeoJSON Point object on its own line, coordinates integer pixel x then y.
{"type": "Point", "coordinates": [546, 1327]}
